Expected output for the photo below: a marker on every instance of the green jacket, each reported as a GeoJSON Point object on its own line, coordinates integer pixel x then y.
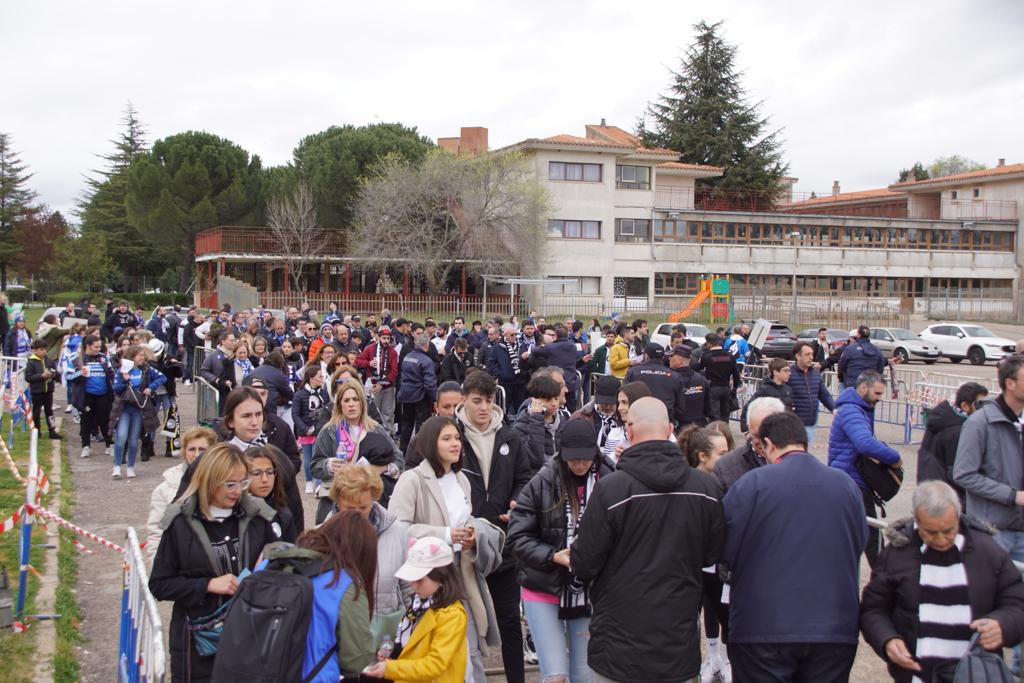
{"type": "Point", "coordinates": [600, 359]}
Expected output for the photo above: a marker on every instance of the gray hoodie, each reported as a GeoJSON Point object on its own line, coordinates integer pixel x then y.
{"type": "Point", "coordinates": [482, 441]}
{"type": "Point", "coordinates": [990, 466]}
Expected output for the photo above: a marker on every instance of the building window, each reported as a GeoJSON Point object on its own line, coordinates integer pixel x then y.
{"type": "Point", "coordinates": [574, 230]}
{"type": "Point", "coordinates": [633, 177]}
{"type": "Point", "coordinates": [583, 173]}
{"type": "Point", "coordinates": [629, 287]}
{"type": "Point", "coordinates": [953, 194]}
{"type": "Point", "coordinates": [977, 192]}
{"type": "Point", "coordinates": [582, 285]}
{"type": "Point", "coordinates": [676, 284]}
{"type": "Point", "coordinates": [632, 230]}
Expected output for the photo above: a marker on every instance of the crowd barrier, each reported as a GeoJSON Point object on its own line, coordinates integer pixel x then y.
{"type": "Point", "coordinates": [207, 403]}
{"type": "Point", "coordinates": [140, 657]}
{"type": "Point", "coordinates": [12, 376]}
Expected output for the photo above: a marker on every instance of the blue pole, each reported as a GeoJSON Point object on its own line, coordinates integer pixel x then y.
{"type": "Point", "coordinates": [26, 524]}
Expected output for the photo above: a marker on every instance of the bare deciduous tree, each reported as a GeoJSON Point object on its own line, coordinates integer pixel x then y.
{"type": "Point", "coordinates": [487, 212]}
{"type": "Point", "coordinates": [293, 224]}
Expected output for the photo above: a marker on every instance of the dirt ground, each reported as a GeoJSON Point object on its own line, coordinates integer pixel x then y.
{"type": "Point", "coordinates": [108, 507]}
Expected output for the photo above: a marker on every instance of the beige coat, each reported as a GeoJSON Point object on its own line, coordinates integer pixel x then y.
{"type": "Point", "coordinates": [418, 501]}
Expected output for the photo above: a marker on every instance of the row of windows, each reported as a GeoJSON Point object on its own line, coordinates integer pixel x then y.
{"type": "Point", "coordinates": [671, 231]}
{"type": "Point", "coordinates": [575, 230]}
{"type": "Point", "coordinates": [626, 177]}
{"type": "Point", "coordinates": [688, 284]}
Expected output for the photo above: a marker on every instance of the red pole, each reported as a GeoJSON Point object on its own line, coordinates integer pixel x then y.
{"type": "Point", "coordinates": [286, 278]}
{"type": "Point", "coordinates": [462, 287]}
{"type": "Point", "coordinates": [348, 273]}
{"type": "Point", "coordinates": [405, 283]}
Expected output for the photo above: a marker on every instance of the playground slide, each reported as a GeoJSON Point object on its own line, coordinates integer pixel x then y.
{"type": "Point", "coordinates": [690, 307]}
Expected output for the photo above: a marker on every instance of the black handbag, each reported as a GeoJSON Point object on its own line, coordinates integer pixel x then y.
{"type": "Point", "coordinates": [883, 479]}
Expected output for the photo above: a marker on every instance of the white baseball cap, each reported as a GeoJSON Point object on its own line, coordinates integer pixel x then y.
{"type": "Point", "coordinates": [425, 554]}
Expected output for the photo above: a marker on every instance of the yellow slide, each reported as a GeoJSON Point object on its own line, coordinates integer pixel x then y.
{"type": "Point", "coordinates": [690, 307]}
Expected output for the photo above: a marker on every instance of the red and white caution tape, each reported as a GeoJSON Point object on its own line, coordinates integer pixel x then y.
{"type": "Point", "coordinates": [11, 521]}
{"type": "Point", "coordinates": [11, 465]}
{"type": "Point", "coordinates": [43, 512]}
{"type": "Point", "coordinates": [20, 626]}
{"type": "Point", "coordinates": [81, 547]}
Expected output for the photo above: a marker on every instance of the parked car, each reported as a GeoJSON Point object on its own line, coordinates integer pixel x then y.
{"type": "Point", "coordinates": [779, 342]}
{"type": "Point", "coordinates": [973, 342]}
{"type": "Point", "coordinates": [896, 342]}
{"type": "Point", "coordinates": [663, 333]}
{"type": "Point", "coordinates": [836, 338]}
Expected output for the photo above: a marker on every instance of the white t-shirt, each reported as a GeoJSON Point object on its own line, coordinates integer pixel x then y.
{"type": "Point", "coordinates": [457, 504]}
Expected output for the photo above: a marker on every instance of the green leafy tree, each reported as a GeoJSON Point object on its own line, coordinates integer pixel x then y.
{"type": "Point", "coordinates": [706, 117]}
{"type": "Point", "coordinates": [332, 163]}
{"type": "Point", "coordinates": [190, 182]}
{"type": "Point", "coordinates": [85, 262]}
{"type": "Point", "coordinates": [103, 207]}
{"type": "Point", "coordinates": [15, 203]}
{"type": "Point", "coordinates": [915, 173]}
{"type": "Point", "coordinates": [952, 165]}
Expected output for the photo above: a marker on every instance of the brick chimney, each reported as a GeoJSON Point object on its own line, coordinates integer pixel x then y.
{"type": "Point", "coordinates": [835, 188]}
{"type": "Point", "coordinates": [1000, 163]}
{"type": "Point", "coordinates": [471, 140]}
{"type": "Point", "coordinates": [602, 122]}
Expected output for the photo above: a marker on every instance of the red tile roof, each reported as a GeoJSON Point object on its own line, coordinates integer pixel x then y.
{"type": "Point", "coordinates": [846, 197]}
{"type": "Point", "coordinates": [970, 175]}
{"type": "Point", "coordinates": [582, 142]}
{"type": "Point", "coordinates": [614, 134]}
{"type": "Point", "coordinates": [689, 167]}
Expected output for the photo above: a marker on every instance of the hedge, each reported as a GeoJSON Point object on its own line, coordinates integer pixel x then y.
{"type": "Point", "coordinates": [147, 301]}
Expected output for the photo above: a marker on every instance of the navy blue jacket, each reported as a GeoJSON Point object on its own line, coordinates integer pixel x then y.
{"type": "Point", "coordinates": [563, 354]}
{"type": "Point", "coordinates": [808, 391]}
{"type": "Point", "coordinates": [794, 532]}
{"type": "Point", "coordinates": [853, 436]}
{"type": "Point", "coordinates": [857, 357]}
{"type": "Point", "coordinates": [500, 367]}
{"type": "Point", "coordinates": [419, 380]}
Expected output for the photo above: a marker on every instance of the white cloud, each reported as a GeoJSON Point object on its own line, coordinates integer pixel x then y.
{"type": "Point", "coordinates": [861, 90]}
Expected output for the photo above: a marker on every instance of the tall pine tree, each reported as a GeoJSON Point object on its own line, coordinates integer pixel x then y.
{"type": "Point", "coordinates": [103, 209]}
{"type": "Point", "coordinates": [706, 117]}
{"type": "Point", "coordinates": [15, 203]}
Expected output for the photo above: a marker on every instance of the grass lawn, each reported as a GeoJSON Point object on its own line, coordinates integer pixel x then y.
{"type": "Point", "coordinates": [17, 650]}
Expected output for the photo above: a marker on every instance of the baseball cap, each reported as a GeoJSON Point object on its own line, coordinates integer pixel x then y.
{"type": "Point", "coordinates": [654, 350]}
{"type": "Point", "coordinates": [383, 331]}
{"type": "Point", "coordinates": [425, 554]}
{"type": "Point", "coordinates": [578, 440]}
{"type": "Point", "coordinates": [607, 390]}
{"type": "Point", "coordinates": [680, 350]}
{"type": "Point", "coordinates": [377, 449]}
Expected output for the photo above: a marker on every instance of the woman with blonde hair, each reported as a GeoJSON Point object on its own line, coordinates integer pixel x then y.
{"type": "Point", "coordinates": [337, 444]}
{"type": "Point", "coordinates": [193, 444]}
{"type": "Point", "coordinates": [211, 534]}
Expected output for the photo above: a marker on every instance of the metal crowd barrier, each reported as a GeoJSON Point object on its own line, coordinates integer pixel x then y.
{"type": "Point", "coordinates": [207, 403]}
{"type": "Point", "coordinates": [12, 375]}
{"type": "Point", "coordinates": [141, 647]}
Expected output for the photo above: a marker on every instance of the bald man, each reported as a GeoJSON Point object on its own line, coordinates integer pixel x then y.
{"type": "Point", "coordinates": [1019, 348]}
{"type": "Point", "coordinates": [647, 530]}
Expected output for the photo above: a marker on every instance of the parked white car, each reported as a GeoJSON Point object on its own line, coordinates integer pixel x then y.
{"type": "Point", "coordinates": [904, 344]}
{"type": "Point", "coordinates": [663, 333]}
{"type": "Point", "coordinates": [973, 342]}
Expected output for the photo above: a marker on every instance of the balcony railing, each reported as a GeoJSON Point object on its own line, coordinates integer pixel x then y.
{"type": "Point", "coordinates": [257, 241]}
{"type": "Point", "coordinates": [979, 209]}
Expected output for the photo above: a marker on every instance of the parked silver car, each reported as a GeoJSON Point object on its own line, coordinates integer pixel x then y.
{"type": "Point", "coordinates": [896, 342]}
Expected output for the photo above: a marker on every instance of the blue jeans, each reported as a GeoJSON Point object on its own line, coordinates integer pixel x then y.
{"type": "Point", "coordinates": [129, 428]}
{"type": "Point", "coordinates": [1013, 543]}
{"type": "Point", "coordinates": [307, 455]}
{"type": "Point", "coordinates": [810, 435]}
{"type": "Point", "coordinates": [561, 645]}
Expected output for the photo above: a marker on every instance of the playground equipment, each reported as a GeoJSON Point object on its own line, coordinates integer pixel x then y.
{"type": "Point", "coordinates": [712, 300]}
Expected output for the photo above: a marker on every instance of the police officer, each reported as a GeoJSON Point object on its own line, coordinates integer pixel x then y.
{"type": "Point", "coordinates": [696, 388]}
{"type": "Point", "coordinates": [663, 382]}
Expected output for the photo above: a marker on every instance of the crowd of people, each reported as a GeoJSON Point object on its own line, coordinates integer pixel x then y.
{"type": "Point", "coordinates": [582, 478]}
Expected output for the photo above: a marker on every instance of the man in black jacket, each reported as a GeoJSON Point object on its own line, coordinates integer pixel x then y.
{"type": "Point", "coordinates": [750, 454]}
{"type": "Point", "coordinates": [696, 390]}
{"type": "Point", "coordinates": [646, 580]}
{"type": "Point", "coordinates": [720, 367]}
{"type": "Point", "coordinates": [664, 384]}
{"type": "Point", "coordinates": [497, 468]}
{"type": "Point", "coordinates": [937, 454]}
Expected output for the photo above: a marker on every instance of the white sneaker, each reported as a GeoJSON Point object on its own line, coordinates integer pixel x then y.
{"type": "Point", "coordinates": [117, 472]}
{"type": "Point", "coordinates": [86, 452]}
{"type": "Point", "coordinates": [67, 409]}
{"type": "Point", "coordinates": [188, 383]}
{"type": "Point", "coordinates": [724, 668]}
{"type": "Point", "coordinates": [309, 487]}
{"type": "Point", "coordinates": [131, 473]}
{"type": "Point", "coordinates": [708, 670]}
{"type": "Point", "coordinates": [110, 451]}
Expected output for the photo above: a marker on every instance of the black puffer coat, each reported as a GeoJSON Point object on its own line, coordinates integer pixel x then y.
{"type": "Point", "coordinates": [889, 605]}
{"type": "Point", "coordinates": [184, 564]}
{"type": "Point", "coordinates": [937, 454]}
{"type": "Point", "coordinates": [536, 530]}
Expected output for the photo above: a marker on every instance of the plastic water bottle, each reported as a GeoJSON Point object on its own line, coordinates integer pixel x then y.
{"type": "Point", "coordinates": [387, 646]}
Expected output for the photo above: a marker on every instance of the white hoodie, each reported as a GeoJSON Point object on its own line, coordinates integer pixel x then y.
{"type": "Point", "coordinates": [163, 495]}
{"type": "Point", "coordinates": [482, 442]}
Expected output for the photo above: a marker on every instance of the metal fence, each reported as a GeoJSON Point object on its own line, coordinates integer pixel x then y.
{"type": "Point", "coordinates": [994, 304]}
{"type": "Point", "coordinates": [141, 645]}
{"type": "Point", "coordinates": [12, 376]}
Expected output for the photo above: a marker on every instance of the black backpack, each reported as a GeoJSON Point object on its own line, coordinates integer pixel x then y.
{"type": "Point", "coordinates": [264, 637]}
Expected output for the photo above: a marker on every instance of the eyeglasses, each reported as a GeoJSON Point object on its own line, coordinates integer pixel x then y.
{"type": "Point", "coordinates": [259, 474]}
{"type": "Point", "coordinates": [231, 486]}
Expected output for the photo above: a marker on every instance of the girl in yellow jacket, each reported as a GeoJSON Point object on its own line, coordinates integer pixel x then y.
{"type": "Point", "coordinates": [431, 641]}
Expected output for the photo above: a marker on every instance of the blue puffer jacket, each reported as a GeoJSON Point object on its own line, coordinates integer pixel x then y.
{"type": "Point", "coordinates": [419, 380]}
{"type": "Point", "coordinates": [563, 354]}
{"type": "Point", "coordinates": [808, 390]}
{"type": "Point", "coordinates": [857, 357]}
{"type": "Point", "coordinates": [853, 436]}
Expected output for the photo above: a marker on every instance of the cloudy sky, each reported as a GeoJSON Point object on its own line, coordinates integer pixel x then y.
{"type": "Point", "coordinates": [859, 89]}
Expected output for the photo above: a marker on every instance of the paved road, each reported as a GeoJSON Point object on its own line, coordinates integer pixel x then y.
{"type": "Point", "coordinates": [108, 507]}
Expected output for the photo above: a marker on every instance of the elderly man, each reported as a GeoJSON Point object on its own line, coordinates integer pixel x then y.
{"type": "Point", "coordinates": [750, 454]}
{"type": "Point", "coordinates": [795, 530]}
{"type": "Point", "coordinates": [647, 531]}
{"type": "Point", "coordinates": [941, 578]}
